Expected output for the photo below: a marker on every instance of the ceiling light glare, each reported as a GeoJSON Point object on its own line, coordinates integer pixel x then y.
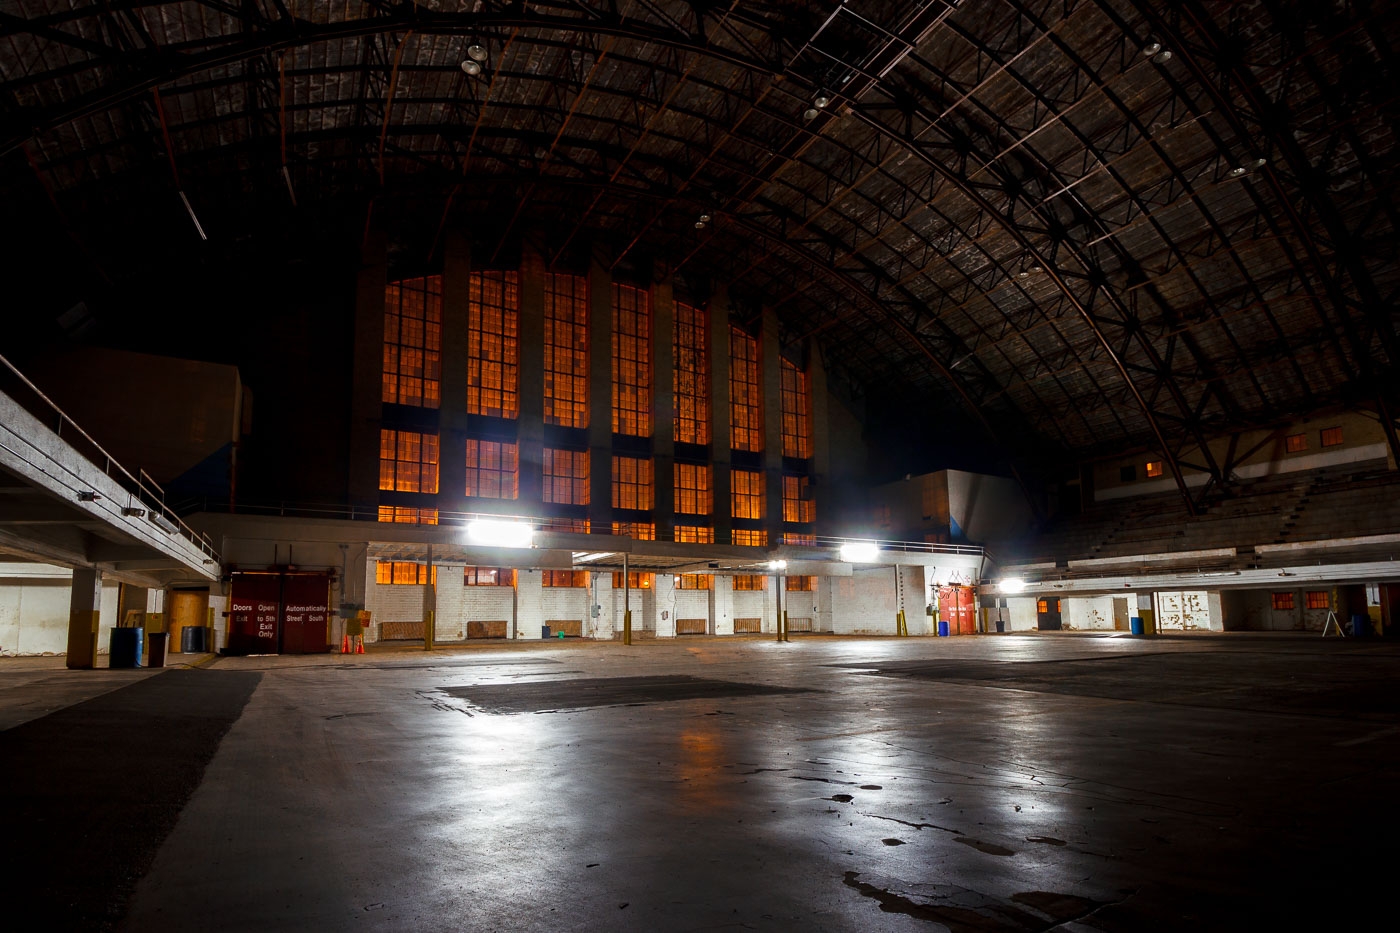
{"type": "Point", "coordinates": [1151, 48]}
{"type": "Point", "coordinates": [471, 67]}
{"type": "Point", "coordinates": [1163, 56]}
{"type": "Point", "coordinates": [1259, 162]}
{"type": "Point", "coordinates": [821, 101]}
{"type": "Point", "coordinates": [489, 533]}
{"type": "Point", "coordinates": [810, 114]}
{"type": "Point", "coordinates": [859, 552]}
{"type": "Point", "coordinates": [699, 225]}
{"type": "Point", "coordinates": [704, 218]}
{"type": "Point", "coordinates": [476, 52]}
{"type": "Point", "coordinates": [777, 565]}
{"type": "Point", "coordinates": [1238, 170]}
{"type": "Point", "coordinates": [1012, 585]}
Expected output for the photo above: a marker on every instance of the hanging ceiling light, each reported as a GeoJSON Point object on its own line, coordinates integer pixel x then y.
{"type": "Point", "coordinates": [821, 101]}
{"type": "Point", "coordinates": [470, 67]}
{"type": "Point", "coordinates": [1163, 56]}
{"type": "Point", "coordinates": [704, 218]}
{"type": "Point", "coordinates": [476, 52]}
{"type": "Point", "coordinates": [699, 225]}
{"type": "Point", "coordinates": [810, 114]}
{"type": "Point", "coordinates": [1151, 48]}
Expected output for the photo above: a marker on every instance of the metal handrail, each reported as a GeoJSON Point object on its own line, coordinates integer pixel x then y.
{"type": "Point", "coordinates": [141, 492]}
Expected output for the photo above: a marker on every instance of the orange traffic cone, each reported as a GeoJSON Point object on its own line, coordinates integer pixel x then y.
{"type": "Point", "coordinates": [359, 644]}
{"type": "Point", "coordinates": [345, 644]}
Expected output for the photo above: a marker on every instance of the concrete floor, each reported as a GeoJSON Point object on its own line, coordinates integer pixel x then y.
{"type": "Point", "coordinates": [977, 783]}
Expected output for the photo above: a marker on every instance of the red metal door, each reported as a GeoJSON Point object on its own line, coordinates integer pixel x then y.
{"type": "Point", "coordinates": [253, 608]}
{"type": "Point", "coordinates": [956, 607]}
{"type": "Point", "coordinates": [305, 613]}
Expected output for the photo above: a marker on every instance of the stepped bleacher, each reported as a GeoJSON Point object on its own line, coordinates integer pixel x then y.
{"type": "Point", "coordinates": [1296, 509]}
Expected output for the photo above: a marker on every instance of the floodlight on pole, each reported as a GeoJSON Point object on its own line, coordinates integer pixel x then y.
{"type": "Point", "coordinates": [859, 552]}
{"type": "Point", "coordinates": [1012, 585]}
{"type": "Point", "coordinates": [777, 565]}
{"type": "Point", "coordinates": [489, 533]}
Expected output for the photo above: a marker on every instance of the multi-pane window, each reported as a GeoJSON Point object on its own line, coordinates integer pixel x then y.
{"type": "Point", "coordinates": [799, 584]}
{"type": "Point", "coordinates": [488, 576]}
{"type": "Point", "coordinates": [1295, 443]}
{"type": "Point", "coordinates": [797, 506]}
{"type": "Point", "coordinates": [493, 344]}
{"type": "Point", "coordinates": [693, 493]}
{"type": "Point", "coordinates": [1283, 600]}
{"type": "Point", "coordinates": [413, 342]}
{"type": "Point", "coordinates": [407, 515]}
{"type": "Point", "coordinates": [1154, 468]}
{"type": "Point", "coordinates": [571, 525]}
{"type": "Point", "coordinates": [1318, 599]}
{"type": "Point", "coordinates": [745, 392]}
{"type": "Point", "coordinates": [691, 374]}
{"type": "Point", "coordinates": [632, 483]}
{"type": "Point", "coordinates": [403, 572]}
{"type": "Point", "coordinates": [574, 578]}
{"type": "Point", "coordinates": [746, 493]}
{"type": "Point", "coordinates": [493, 469]}
{"type": "Point", "coordinates": [695, 581]}
{"type": "Point", "coordinates": [637, 531]}
{"type": "Point", "coordinates": [635, 580]}
{"type": "Point", "coordinates": [750, 537]}
{"type": "Point", "coordinates": [746, 582]}
{"type": "Point", "coordinates": [1331, 437]}
{"type": "Point", "coordinates": [408, 461]}
{"type": "Point", "coordinates": [797, 412]}
{"type": "Point", "coordinates": [566, 476]}
{"type": "Point", "coordinates": [804, 540]}
{"type": "Point", "coordinates": [631, 361]}
{"type": "Point", "coordinates": [566, 350]}
{"type": "Point", "coordinates": [695, 534]}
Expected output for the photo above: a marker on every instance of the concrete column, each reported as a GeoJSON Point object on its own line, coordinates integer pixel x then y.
{"type": "Point", "coordinates": [366, 392]}
{"type": "Point", "coordinates": [664, 600]}
{"type": "Point", "coordinates": [529, 610]}
{"type": "Point", "coordinates": [600, 394]}
{"type": "Point", "coordinates": [663, 310]}
{"type": "Point", "coordinates": [84, 616]}
{"type": "Point", "coordinates": [821, 438]}
{"type": "Point", "coordinates": [719, 413]}
{"type": "Point", "coordinates": [609, 620]}
{"type": "Point", "coordinates": [823, 616]}
{"type": "Point", "coordinates": [531, 425]}
{"type": "Point", "coordinates": [771, 354]}
{"type": "Point", "coordinates": [722, 606]}
{"type": "Point", "coordinates": [452, 418]}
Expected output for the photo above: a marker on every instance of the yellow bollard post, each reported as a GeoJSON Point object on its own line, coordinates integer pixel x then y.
{"type": "Point", "coordinates": [785, 627]}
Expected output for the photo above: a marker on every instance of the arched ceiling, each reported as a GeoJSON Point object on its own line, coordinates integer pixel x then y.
{"type": "Point", "coordinates": [1092, 224]}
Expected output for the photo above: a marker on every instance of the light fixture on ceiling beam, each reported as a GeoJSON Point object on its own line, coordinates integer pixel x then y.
{"type": "Point", "coordinates": [1163, 56]}
{"type": "Point", "coordinates": [810, 114]}
{"type": "Point", "coordinates": [476, 52]}
{"type": "Point", "coordinates": [1151, 48]}
{"type": "Point", "coordinates": [821, 100]}
{"type": "Point", "coordinates": [471, 67]}
{"type": "Point", "coordinates": [704, 218]}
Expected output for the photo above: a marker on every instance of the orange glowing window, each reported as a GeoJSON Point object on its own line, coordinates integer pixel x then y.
{"type": "Point", "coordinates": [566, 476]}
{"type": "Point", "coordinates": [750, 537]}
{"type": "Point", "coordinates": [695, 534]}
{"type": "Point", "coordinates": [1331, 437]}
{"type": "Point", "coordinates": [493, 469]}
{"type": "Point", "coordinates": [797, 501]}
{"type": "Point", "coordinates": [797, 412]}
{"type": "Point", "coordinates": [637, 531]}
{"type": "Point", "coordinates": [413, 342]}
{"type": "Point", "coordinates": [1154, 468]}
{"type": "Point", "coordinates": [745, 392]}
{"type": "Point", "coordinates": [400, 572]}
{"type": "Point", "coordinates": [1318, 599]}
{"type": "Point", "coordinates": [578, 526]}
{"type": "Point", "coordinates": [804, 540]}
{"type": "Point", "coordinates": [571, 578]}
{"type": "Point", "coordinates": [493, 344]}
{"type": "Point", "coordinates": [746, 493]}
{"type": "Point", "coordinates": [799, 584]}
{"type": "Point", "coordinates": [407, 515]}
{"type": "Point", "coordinates": [631, 361]}
{"type": "Point", "coordinates": [408, 462]}
{"type": "Point", "coordinates": [695, 581]}
{"type": "Point", "coordinates": [1283, 600]}
{"type": "Point", "coordinates": [635, 580]}
{"type": "Point", "coordinates": [566, 350]}
{"type": "Point", "coordinates": [693, 493]}
{"type": "Point", "coordinates": [691, 374]}
{"type": "Point", "coordinates": [1295, 443]}
{"type": "Point", "coordinates": [488, 576]}
{"type": "Point", "coordinates": [749, 583]}
{"type": "Point", "coordinates": [632, 486]}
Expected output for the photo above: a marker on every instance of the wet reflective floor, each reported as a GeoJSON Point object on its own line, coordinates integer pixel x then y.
{"type": "Point", "coordinates": [981, 783]}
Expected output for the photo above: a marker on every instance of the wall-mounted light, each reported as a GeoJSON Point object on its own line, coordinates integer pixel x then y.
{"type": "Point", "coordinates": [490, 533]}
{"type": "Point", "coordinates": [133, 512]}
{"type": "Point", "coordinates": [777, 565]}
{"type": "Point", "coordinates": [859, 552]}
{"type": "Point", "coordinates": [88, 495]}
{"type": "Point", "coordinates": [161, 522]}
{"type": "Point", "coordinates": [1012, 585]}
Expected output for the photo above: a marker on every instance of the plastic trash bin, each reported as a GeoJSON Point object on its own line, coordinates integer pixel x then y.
{"type": "Point", "coordinates": [1360, 625]}
{"type": "Point", "coordinates": [1135, 625]}
{"type": "Point", "coordinates": [125, 647]}
{"type": "Point", "coordinates": [194, 639]}
{"type": "Point", "coordinates": [544, 631]}
{"type": "Point", "coordinates": [157, 655]}
{"type": "Point", "coordinates": [942, 629]}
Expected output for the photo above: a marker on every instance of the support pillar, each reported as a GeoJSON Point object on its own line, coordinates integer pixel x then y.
{"type": "Point", "coordinates": [429, 607]}
{"type": "Point", "coordinates": [84, 617]}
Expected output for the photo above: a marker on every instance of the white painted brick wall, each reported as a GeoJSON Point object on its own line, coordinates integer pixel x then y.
{"type": "Point", "coordinates": [864, 602]}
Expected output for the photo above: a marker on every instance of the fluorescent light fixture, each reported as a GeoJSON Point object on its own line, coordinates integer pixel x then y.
{"type": "Point", "coordinates": [777, 565]}
{"type": "Point", "coordinates": [499, 534]}
{"type": "Point", "coordinates": [1012, 585]}
{"type": "Point", "coordinates": [859, 552]}
{"type": "Point", "coordinates": [587, 557]}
